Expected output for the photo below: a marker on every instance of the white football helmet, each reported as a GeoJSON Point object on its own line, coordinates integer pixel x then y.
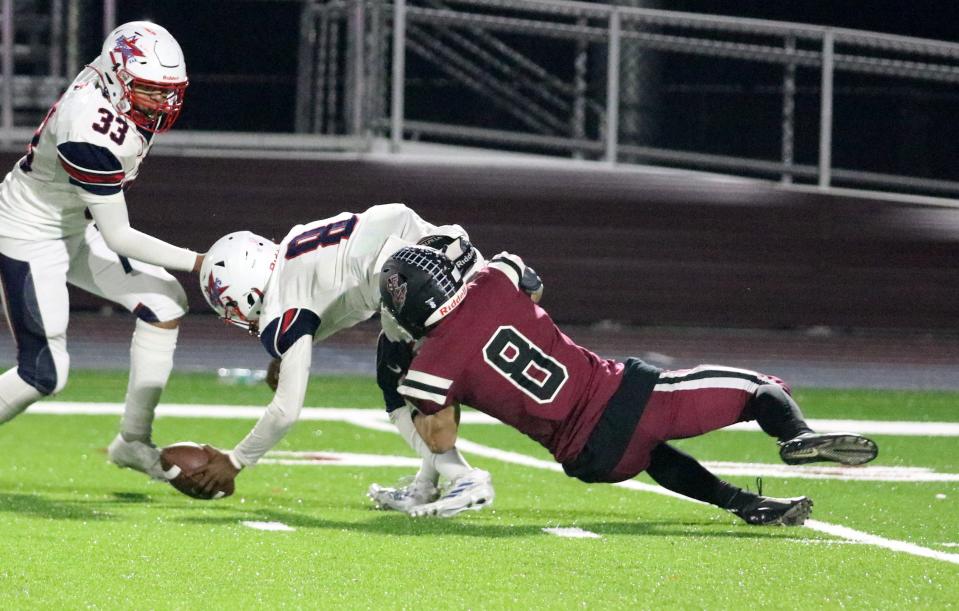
{"type": "Point", "coordinates": [234, 274]}
{"type": "Point", "coordinates": [141, 54]}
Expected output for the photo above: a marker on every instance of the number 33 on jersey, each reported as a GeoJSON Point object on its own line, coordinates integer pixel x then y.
{"type": "Point", "coordinates": [83, 153]}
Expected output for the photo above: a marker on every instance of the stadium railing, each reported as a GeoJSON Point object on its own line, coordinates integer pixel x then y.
{"type": "Point", "coordinates": [594, 81]}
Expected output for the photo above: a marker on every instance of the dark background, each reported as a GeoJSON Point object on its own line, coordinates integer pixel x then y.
{"type": "Point", "coordinates": [648, 248]}
{"type": "Point", "coordinates": [242, 57]}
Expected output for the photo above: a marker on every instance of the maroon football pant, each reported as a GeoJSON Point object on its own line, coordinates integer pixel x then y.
{"type": "Point", "coordinates": [690, 402]}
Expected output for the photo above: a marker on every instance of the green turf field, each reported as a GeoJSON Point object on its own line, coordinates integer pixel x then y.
{"type": "Point", "coordinates": [76, 532]}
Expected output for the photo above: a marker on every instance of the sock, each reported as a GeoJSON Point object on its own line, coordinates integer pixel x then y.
{"type": "Point", "coordinates": [15, 395]}
{"type": "Point", "coordinates": [451, 464]}
{"type": "Point", "coordinates": [776, 412]}
{"type": "Point", "coordinates": [151, 360]}
{"type": "Point", "coordinates": [677, 471]}
{"type": "Point", "coordinates": [403, 421]}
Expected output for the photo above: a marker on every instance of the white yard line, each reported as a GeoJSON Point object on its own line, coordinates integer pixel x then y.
{"type": "Point", "coordinates": [861, 474]}
{"type": "Point", "coordinates": [866, 427]}
{"type": "Point", "coordinates": [375, 419]}
{"type": "Point", "coordinates": [276, 526]}
{"type": "Point", "coordinates": [891, 544]}
{"type": "Point", "coordinates": [835, 530]}
{"type": "Point", "coordinates": [338, 459]}
{"type": "Point", "coordinates": [572, 532]}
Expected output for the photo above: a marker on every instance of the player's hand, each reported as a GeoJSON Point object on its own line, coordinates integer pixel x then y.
{"type": "Point", "coordinates": [215, 474]}
{"type": "Point", "coordinates": [531, 284]}
{"type": "Point", "coordinates": [273, 374]}
{"type": "Point", "coordinates": [198, 263]}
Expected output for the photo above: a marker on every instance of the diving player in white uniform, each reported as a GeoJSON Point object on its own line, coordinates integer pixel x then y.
{"type": "Point", "coordinates": [323, 278]}
{"type": "Point", "coordinates": [85, 152]}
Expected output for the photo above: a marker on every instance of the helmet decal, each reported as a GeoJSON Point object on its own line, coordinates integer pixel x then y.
{"type": "Point", "coordinates": [214, 289]}
{"type": "Point", "coordinates": [127, 48]}
{"type": "Point", "coordinates": [397, 291]}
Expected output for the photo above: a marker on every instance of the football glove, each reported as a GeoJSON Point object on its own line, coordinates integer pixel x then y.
{"type": "Point", "coordinates": [531, 284]}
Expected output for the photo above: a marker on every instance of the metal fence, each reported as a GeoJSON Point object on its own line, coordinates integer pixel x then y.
{"type": "Point", "coordinates": [603, 87]}
{"type": "Point", "coordinates": [784, 101]}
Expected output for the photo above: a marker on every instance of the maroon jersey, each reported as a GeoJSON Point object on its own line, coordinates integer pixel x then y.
{"type": "Point", "coordinates": [502, 354]}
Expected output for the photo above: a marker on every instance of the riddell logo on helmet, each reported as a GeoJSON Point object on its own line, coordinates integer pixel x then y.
{"type": "Point", "coordinates": [450, 305]}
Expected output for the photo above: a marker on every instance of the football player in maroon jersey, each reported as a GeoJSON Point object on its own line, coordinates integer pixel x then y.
{"type": "Point", "coordinates": [486, 344]}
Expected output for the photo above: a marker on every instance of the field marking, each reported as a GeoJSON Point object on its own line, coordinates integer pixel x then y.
{"type": "Point", "coordinates": [891, 544]}
{"type": "Point", "coordinates": [866, 427]}
{"type": "Point", "coordinates": [835, 530]}
{"type": "Point", "coordinates": [861, 474]}
{"type": "Point", "coordinates": [572, 532]}
{"type": "Point", "coordinates": [337, 459]}
{"type": "Point", "coordinates": [376, 420]}
{"type": "Point", "coordinates": [322, 458]}
{"type": "Point", "coordinates": [275, 526]}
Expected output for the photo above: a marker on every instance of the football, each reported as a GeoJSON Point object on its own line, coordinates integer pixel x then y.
{"type": "Point", "coordinates": [187, 457]}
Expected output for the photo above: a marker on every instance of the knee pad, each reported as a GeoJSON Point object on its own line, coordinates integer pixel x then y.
{"type": "Point", "coordinates": [169, 305]}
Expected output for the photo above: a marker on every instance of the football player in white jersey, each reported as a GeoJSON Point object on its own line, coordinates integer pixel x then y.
{"type": "Point", "coordinates": [87, 149]}
{"type": "Point", "coordinates": [323, 278]}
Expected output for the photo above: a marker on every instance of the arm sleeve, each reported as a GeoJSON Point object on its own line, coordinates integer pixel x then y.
{"type": "Point", "coordinates": [114, 223]}
{"type": "Point", "coordinates": [392, 361]}
{"type": "Point", "coordinates": [284, 410]}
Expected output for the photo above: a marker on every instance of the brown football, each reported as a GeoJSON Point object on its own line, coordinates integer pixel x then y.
{"type": "Point", "coordinates": [187, 457]}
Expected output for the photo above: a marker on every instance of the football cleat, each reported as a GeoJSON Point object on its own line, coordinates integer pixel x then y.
{"type": "Point", "coordinates": [843, 448]}
{"type": "Point", "coordinates": [470, 492]}
{"type": "Point", "coordinates": [408, 494]}
{"type": "Point", "coordinates": [139, 456]}
{"type": "Point", "coordinates": [769, 511]}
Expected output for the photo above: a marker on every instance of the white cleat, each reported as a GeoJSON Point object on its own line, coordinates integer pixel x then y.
{"type": "Point", "coordinates": [470, 492]}
{"type": "Point", "coordinates": [139, 456]}
{"type": "Point", "coordinates": [406, 495]}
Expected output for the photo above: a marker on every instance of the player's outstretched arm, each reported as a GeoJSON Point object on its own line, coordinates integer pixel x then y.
{"type": "Point", "coordinates": [438, 430]}
{"type": "Point", "coordinates": [284, 410]}
{"type": "Point", "coordinates": [113, 221]}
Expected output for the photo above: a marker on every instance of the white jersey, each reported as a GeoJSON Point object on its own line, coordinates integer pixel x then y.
{"type": "Point", "coordinates": [82, 154]}
{"type": "Point", "coordinates": [326, 279]}
{"type": "Point", "coordinates": [330, 268]}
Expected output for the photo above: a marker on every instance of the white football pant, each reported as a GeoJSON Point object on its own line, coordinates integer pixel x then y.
{"type": "Point", "coordinates": [33, 279]}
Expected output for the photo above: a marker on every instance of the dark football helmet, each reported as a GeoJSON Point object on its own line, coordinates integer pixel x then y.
{"type": "Point", "coordinates": [419, 286]}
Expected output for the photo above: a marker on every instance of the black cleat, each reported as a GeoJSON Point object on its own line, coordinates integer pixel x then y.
{"type": "Point", "coordinates": [843, 448]}
{"type": "Point", "coordinates": [769, 511]}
